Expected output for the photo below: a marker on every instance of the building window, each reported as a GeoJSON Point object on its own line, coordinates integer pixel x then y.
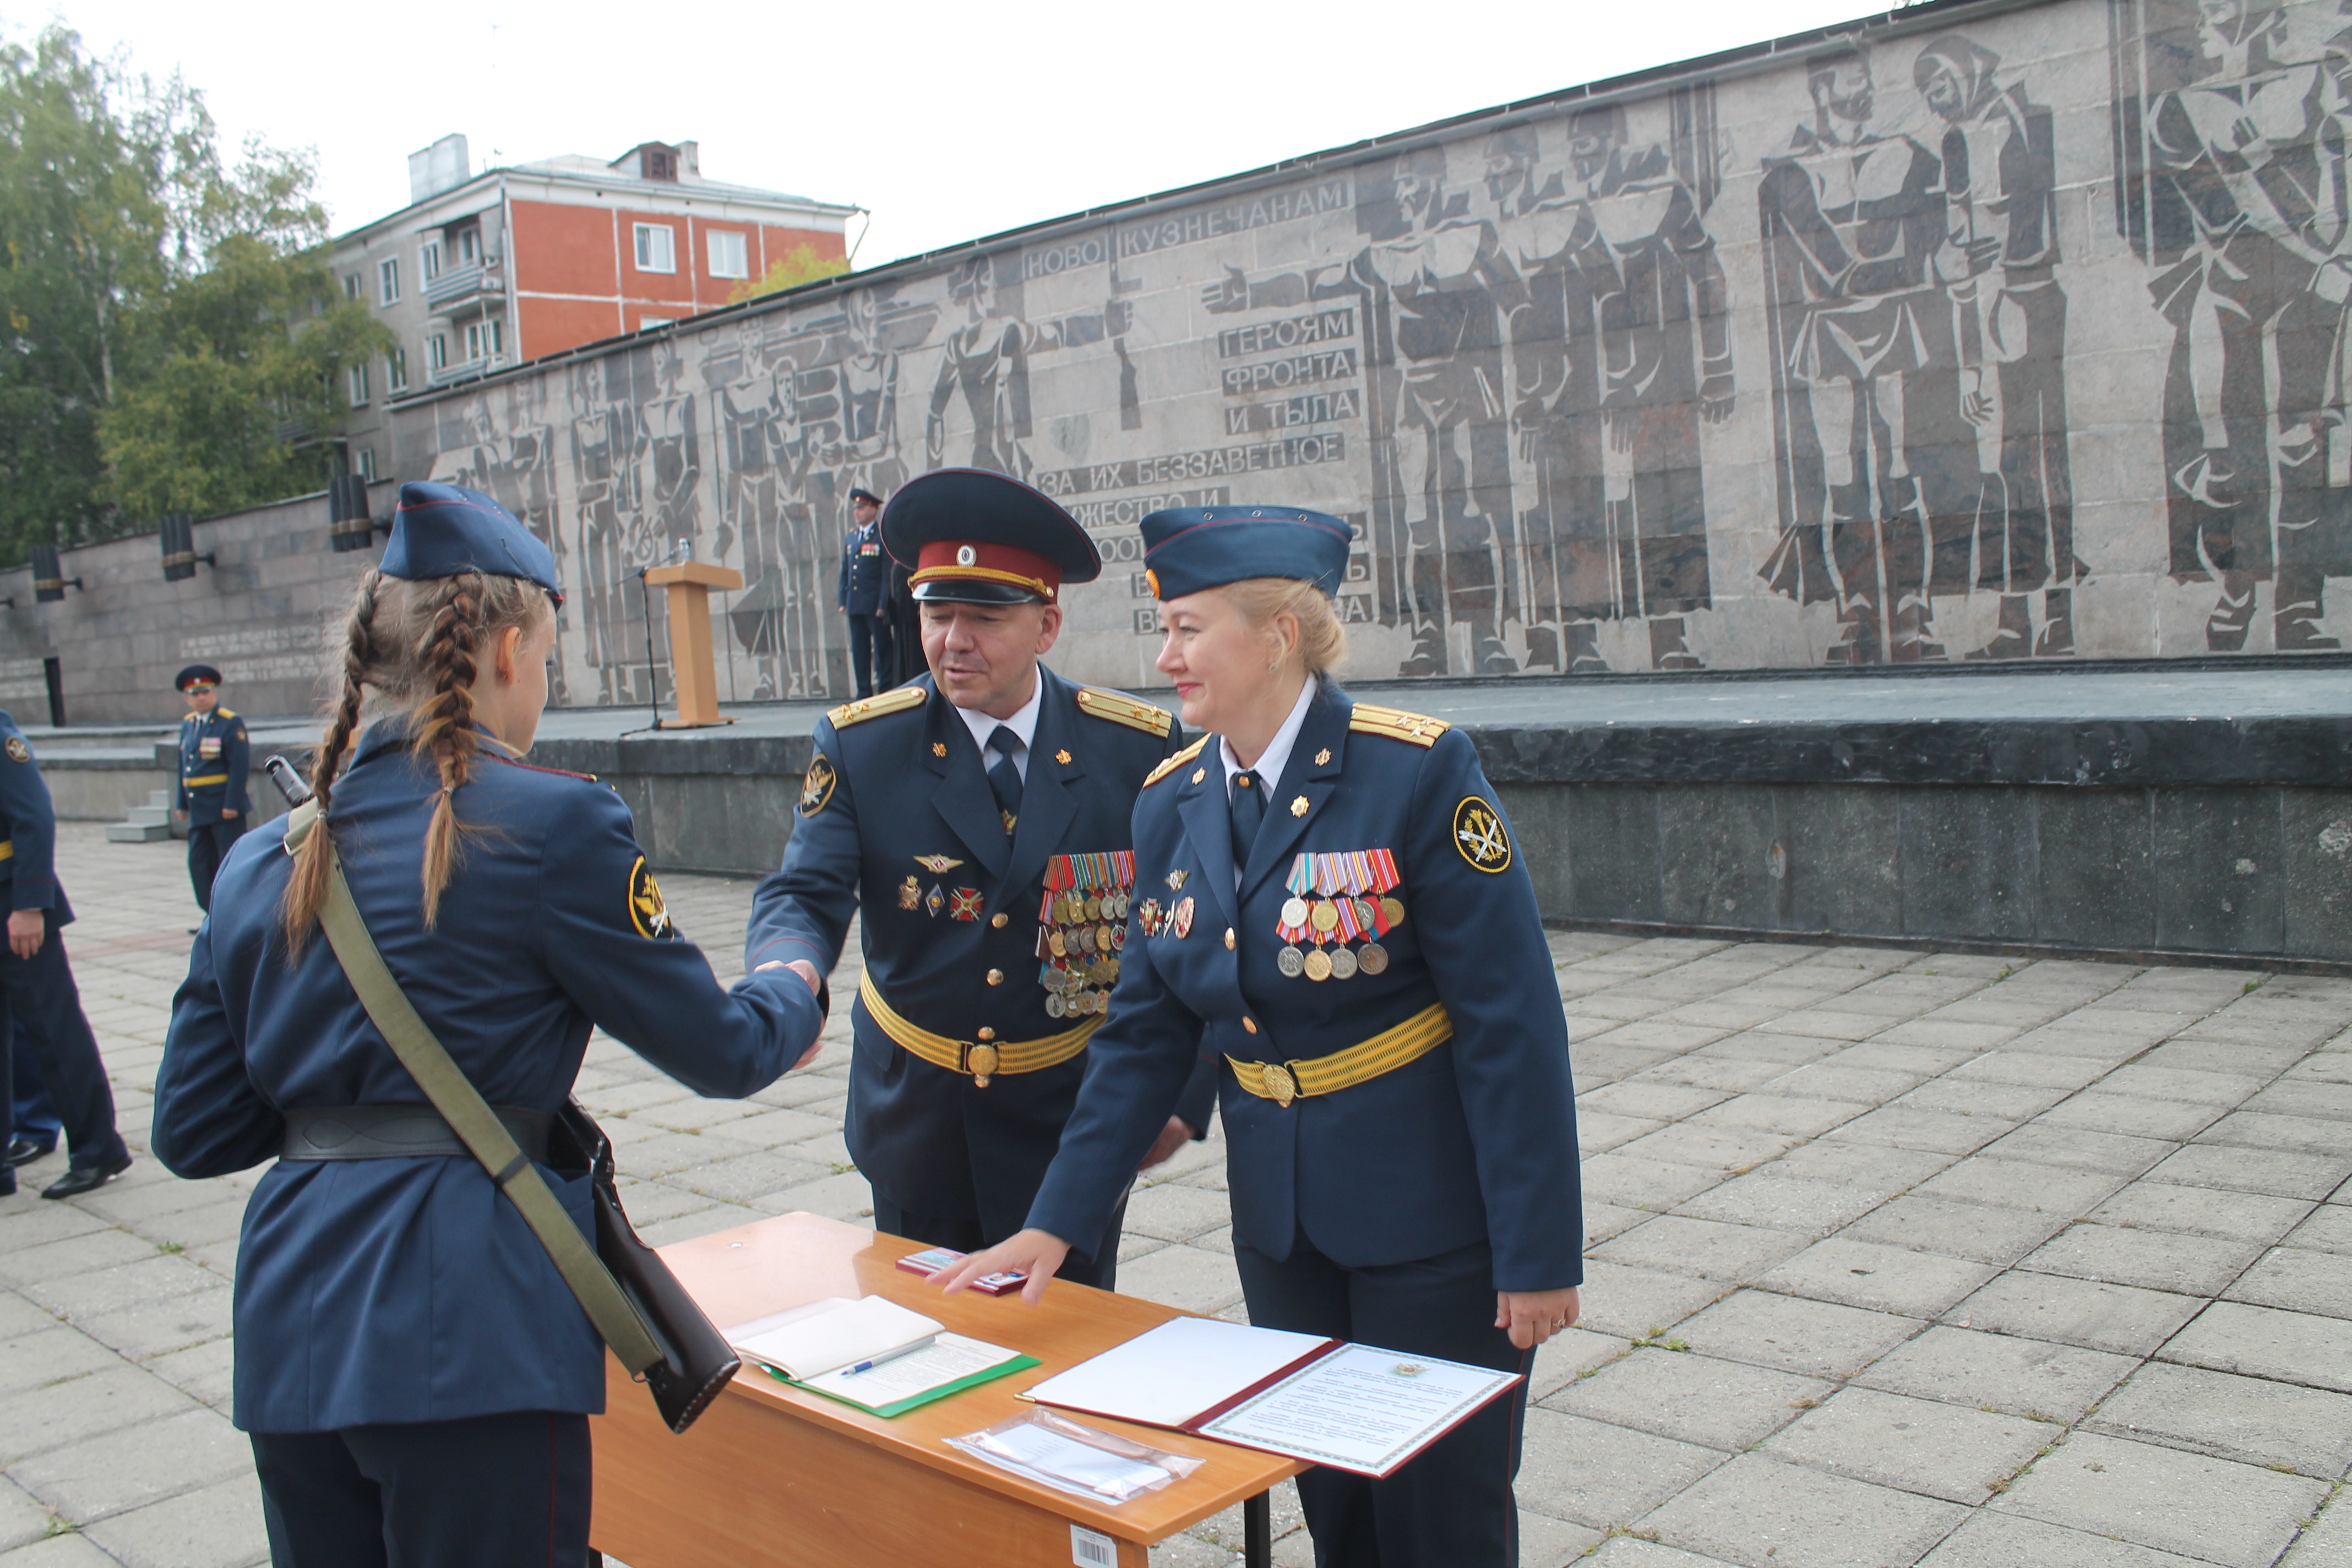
{"type": "Point", "coordinates": [729, 256]}
{"type": "Point", "coordinates": [387, 280]}
{"type": "Point", "coordinates": [351, 286]}
{"type": "Point", "coordinates": [482, 339]}
{"type": "Point", "coordinates": [428, 262]}
{"type": "Point", "coordinates": [469, 246]}
{"type": "Point", "coordinates": [367, 464]}
{"type": "Point", "coordinates": [436, 352]}
{"type": "Point", "coordinates": [358, 378]}
{"type": "Point", "coordinates": [395, 370]}
{"type": "Point", "coordinates": [652, 319]}
{"type": "Point", "coordinates": [656, 248]}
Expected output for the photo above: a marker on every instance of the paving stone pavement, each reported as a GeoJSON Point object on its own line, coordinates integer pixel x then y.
{"type": "Point", "coordinates": [1895, 1258]}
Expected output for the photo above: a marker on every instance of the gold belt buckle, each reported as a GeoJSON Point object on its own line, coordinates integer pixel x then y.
{"type": "Point", "coordinates": [1278, 1083]}
{"type": "Point", "coordinates": [981, 1062]}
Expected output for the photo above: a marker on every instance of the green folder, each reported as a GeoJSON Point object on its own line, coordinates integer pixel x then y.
{"type": "Point", "coordinates": [915, 1402]}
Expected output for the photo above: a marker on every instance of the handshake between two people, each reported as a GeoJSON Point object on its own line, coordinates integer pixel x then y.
{"type": "Point", "coordinates": [806, 970]}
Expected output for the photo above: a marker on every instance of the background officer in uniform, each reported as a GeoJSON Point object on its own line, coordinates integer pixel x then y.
{"type": "Point", "coordinates": [215, 760]}
{"type": "Point", "coordinates": [415, 1373]}
{"type": "Point", "coordinates": [864, 594]}
{"type": "Point", "coordinates": [978, 821]}
{"type": "Point", "coordinates": [1339, 914]}
{"type": "Point", "coordinates": [37, 995]}
{"type": "Point", "coordinates": [37, 1123]}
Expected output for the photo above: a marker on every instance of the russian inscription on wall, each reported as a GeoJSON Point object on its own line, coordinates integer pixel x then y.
{"type": "Point", "coordinates": [2025, 340]}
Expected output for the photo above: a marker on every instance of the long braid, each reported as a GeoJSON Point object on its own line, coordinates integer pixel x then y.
{"type": "Point", "coordinates": [306, 889]}
{"type": "Point", "coordinates": [445, 721]}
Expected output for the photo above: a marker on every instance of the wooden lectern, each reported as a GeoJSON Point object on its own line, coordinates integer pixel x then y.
{"type": "Point", "coordinates": [693, 667]}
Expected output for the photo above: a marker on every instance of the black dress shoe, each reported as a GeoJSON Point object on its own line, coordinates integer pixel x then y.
{"type": "Point", "coordinates": [86, 1179]}
{"type": "Point", "coordinates": [23, 1150]}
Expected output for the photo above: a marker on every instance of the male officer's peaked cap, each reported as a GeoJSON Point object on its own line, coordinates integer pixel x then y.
{"type": "Point", "coordinates": [977, 538]}
{"type": "Point", "coordinates": [1186, 549]}
{"type": "Point", "coordinates": [868, 496]}
{"type": "Point", "coordinates": [443, 529]}
{"type": "Point", "coordinates": [196, 675]}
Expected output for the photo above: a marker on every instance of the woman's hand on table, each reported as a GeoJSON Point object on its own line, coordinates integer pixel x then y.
{"type": "Point", "coordinates": [1532, 1316]}
{"type": "Point", "coordinates": [1035, 1253]}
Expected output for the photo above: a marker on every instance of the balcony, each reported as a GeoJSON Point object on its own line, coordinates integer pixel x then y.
{"type": "Point", "coordinates": [465, 370]}
{"type": "Point", "coordinates": [468, 291]}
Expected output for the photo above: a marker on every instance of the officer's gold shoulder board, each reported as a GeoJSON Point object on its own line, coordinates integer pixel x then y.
{"type": "Point", "coordinates": [1121, 709]}
{"type": "Point", "coordinates": [865, 708]}
{"type": "Point", "coordinates": [228, 712]}
{"type": "Point", "coordinates": [817, 787]}
{"type": "Point", "coordinates": [1397, 724]}
{"type": "Point", "coordinates": [1480, 836]}
{"type": "Point", "coordinates": [1170, 764]}
{"type": "Point", "coordinates": [18, 752]}
{"type": "Point", "coordinates": [647, 910]}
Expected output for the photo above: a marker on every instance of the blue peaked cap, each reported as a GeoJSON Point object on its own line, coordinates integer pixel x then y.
{"type": "Point", "coordinates": [1186, 549]}
{"type": "Point", "coordinates": [443, 529]}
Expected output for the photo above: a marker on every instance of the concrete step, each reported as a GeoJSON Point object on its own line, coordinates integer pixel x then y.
{"type": "Point", "coordinates": [137, 832]}
{"type": "Point", "coordinates": [161, 799]}
{"type": "Point", "coordinates": [152, 817]}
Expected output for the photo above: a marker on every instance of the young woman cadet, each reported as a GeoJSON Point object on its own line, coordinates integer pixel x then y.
{"type": "Point", "coordinates": [1329, 897]}
{"type": "Point", "coordinates": [415, 1373]}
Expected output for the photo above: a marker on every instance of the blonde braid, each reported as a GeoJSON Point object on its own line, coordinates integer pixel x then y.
{"type": "Point", "coordinates": [445, 721]}
{"type": "Point", "coordinates": [306, 889]}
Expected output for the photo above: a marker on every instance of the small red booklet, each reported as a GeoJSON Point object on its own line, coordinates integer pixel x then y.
{"type": "Point", "coordinates": [929, 1262]}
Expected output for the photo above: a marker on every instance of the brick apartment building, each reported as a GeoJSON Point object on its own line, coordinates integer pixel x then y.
{"type": "Point", "coordinates": [485, 270]}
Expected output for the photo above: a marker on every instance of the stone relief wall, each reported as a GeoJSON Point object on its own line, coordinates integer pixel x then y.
{"type": "Point", "coordinates": [2016, 338]}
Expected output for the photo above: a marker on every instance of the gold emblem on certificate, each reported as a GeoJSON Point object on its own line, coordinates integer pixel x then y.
{"type": "Point", "coordinates": [1337, 901]}
{"type": "Point", "coordinates": [1076, 938]}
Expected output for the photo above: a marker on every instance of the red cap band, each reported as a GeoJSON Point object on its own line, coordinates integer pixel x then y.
{"type": "Point", "coordinates": [970, 560]}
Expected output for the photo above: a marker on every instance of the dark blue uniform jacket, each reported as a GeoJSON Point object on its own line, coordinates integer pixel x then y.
{"type": "Point", "coordinates": [29, 857]}
{"type": "Point", "coordinates": [215, 760]}
{"type": "Point", "coordinates": [1477, 1139]}
{"type": "Point", "coordinates": [865, 572]}
{"type": "Point", "coordinates": [909, 784]}
{"type": "Point", "coordinates": [374, 1291]}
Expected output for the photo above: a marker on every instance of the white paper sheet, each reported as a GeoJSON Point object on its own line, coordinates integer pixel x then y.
{"type": "Point", "coordinates": [937, 1365]}
{"type": "Point", "coordinates": [1079, 1469]}
{"type": "Point", "coordinates": [824, 1336]}
{"type": "Point", "coordinates": [1358, 1408]}
{"type": "Point", "coordinates": [1169, 1376]}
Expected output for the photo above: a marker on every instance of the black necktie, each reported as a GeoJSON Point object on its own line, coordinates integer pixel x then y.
{"type": "Point", "coordinates": [1003, 776]}
{"type": "Point", "coordinates": [1249, 810]}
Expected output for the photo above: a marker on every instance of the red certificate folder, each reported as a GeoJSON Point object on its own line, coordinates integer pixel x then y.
{"type": "Point", "coordinates": [1351, 1407]}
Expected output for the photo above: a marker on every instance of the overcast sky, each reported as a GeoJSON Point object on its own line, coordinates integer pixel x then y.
{"type": "Point", "coordinates": [945, 121]}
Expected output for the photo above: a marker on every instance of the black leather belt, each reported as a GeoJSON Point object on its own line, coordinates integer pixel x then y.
{"type": "Point", "coordinates": [398, 1132]}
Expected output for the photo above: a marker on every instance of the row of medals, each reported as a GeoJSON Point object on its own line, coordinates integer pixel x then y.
{"type": "Point", "coordinates": [1080, 948]}
{"type": "Point", "coordinates": [1322, 917]}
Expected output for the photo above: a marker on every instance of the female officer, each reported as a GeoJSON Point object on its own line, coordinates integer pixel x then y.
{"type": "Point", "coordinates": [1329, 897]}
{"type": "Point", "coordinates": [415, 1373]}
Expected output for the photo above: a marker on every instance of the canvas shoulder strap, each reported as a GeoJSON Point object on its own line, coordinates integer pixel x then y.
{"type": "Point", "coordinates": [462, 1106]}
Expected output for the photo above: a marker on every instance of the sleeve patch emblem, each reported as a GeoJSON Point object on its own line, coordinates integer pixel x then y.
{"type": "Point", "coordinates": [1480, 837]}
{"type": "Point", "coordinates": [18, 752]}
{"type": "Point", "coordinates": [817, 787]}
{"type": "Point", "coordinates": [647, 910]}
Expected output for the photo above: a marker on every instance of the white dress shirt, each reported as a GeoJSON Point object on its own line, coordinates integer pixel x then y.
{"type": "Point", "coordinates": [1024, 724]}
{"type": "Point", "coordinates": [1274, 759]}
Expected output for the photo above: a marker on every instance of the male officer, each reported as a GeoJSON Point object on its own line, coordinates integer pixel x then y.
{"type": "Point", "coordinates": [864, 594]}
{"type": "Point", "coordinates": [36, 987]}
{"type": "Point", "coordinates": [977, 819]}
{"type": "Point", "coordinates": [38, 1126]}
{"type": "Point", "coordinates": [213, 758]}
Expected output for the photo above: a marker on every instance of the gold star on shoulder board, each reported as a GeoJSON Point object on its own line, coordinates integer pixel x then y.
{"type": "Point", "coordinates": [1298, 806]}
{"type": "Point", "coordinates": [1062, 757]}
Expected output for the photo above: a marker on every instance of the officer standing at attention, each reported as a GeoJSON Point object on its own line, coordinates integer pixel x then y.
{"type": "Point", "coordinates": [1337, 910]}
{"type": "Point", "coordinates": [414, 1375]}
{"type": "Point", "coordinates": [978, 820]}
{"type": "Point", "coordinates": [39, 1005]}
{"type": "Point", "coordinates": [865, 594]}
{"type": "Point", "coordinates": [215, 759]}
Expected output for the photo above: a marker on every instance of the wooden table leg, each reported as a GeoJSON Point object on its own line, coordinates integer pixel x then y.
{"type": "Point", "coordinates": [1257, 1530]}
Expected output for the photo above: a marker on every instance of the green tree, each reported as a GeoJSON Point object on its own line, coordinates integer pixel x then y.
{"type": "Point", "coordinates": [799, 264]}
{"type": "Point", "coordinates": [173, 338]}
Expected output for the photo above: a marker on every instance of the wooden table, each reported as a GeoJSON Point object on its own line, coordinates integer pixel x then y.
{"type": "Point", "coordinates": [771, 1474]}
